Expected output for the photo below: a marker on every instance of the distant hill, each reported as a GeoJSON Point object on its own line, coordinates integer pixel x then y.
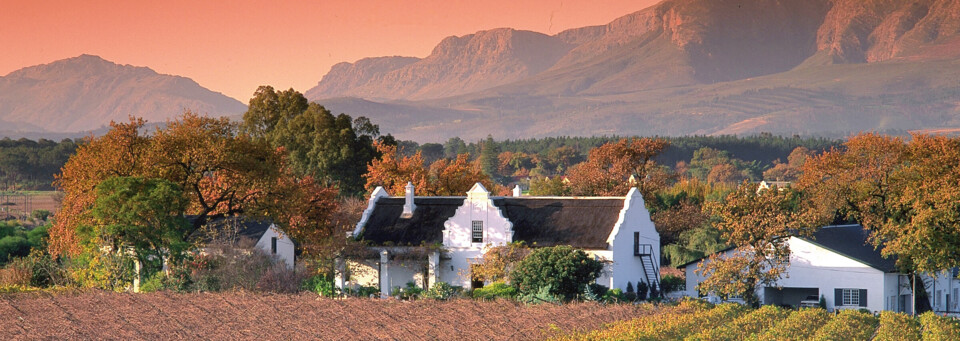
{"type": "Point", "coordinates": [679, 67]}
{"type": "Point", "coordinates": [87, 92]}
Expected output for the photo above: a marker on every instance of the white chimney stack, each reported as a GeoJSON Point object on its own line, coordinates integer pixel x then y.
{"type": "Point", "coordinates": [408, 205]}
{"type": "Point", "coordinates": [516, 191]}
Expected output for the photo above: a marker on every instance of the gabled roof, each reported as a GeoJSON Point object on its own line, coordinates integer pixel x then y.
{"type": "Point", "coordinates": [579, 222]}
{"type": "Point", "coordinates": [544, 221]}
{"type": "Point", "coordinates": [425, 226]}
{"type": "Point", "coordinates": [232, 228]}
{"type": "Point", "coordinates": [852, 241]}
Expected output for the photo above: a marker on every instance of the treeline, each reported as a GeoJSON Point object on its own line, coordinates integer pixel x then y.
{"type": "Point", "coordinates": [31, 165]}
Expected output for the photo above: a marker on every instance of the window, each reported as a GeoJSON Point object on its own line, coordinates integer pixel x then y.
{"type": "Point", "coordinates": [939, 299]}
{"type": "Point", "coordinates": [273, 245]}
{"type": "Point", "coordinates": [851, 297]}
{"type": "Point", "coordinates": [477, 231]}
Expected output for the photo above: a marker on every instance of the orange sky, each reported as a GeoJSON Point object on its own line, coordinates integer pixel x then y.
{"type": "Point", "coordinates": [234, 46]}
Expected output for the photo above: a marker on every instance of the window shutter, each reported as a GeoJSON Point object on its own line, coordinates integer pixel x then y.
{"type": "Point", "coordinates": [837, 297]}
{"type": "Point", "coordinates": [863, 297]}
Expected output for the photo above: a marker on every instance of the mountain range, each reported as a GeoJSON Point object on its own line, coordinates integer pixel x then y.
{"type": "Point", "coordinates": [87, 92]}
{"type": "Point", "coordinates": [678, 67]}
{"type": "Point", "coordinates": [810, 67]}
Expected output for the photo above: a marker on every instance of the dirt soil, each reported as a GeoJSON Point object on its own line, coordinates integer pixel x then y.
{"type": "Point", "coordinates": [246, 316]}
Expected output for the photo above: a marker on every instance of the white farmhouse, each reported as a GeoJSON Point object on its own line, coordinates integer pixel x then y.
{"type": "Point", "coordinates": [266, 235]}
{"type": "Point", "coordinates": [837, 263]}
{"type": "Point", "coordinates": [943, 290]}
{"type": "Point", "coordinates": [614, 229]}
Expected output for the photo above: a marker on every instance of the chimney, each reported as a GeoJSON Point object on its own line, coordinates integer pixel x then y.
{"type": "Point", "coordinates": [516, 191]}
{"type": "Point", "coordinates": [408, 205]}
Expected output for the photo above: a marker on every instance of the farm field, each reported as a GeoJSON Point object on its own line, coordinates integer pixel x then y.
{"type": "Point", "coordinates": [246, 316]}
{"type": "Point", "coordinates": [700, 321]}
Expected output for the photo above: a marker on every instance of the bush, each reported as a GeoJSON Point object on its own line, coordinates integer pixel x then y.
{"type": "Point", "coordinates": [362, 291]}
{"type": "Point", "coordinates": [671, 283]}
{"type": "Point", "coordinates": [410, 292]}
{"type": "Point", "coordinates": [442, 291]}
{"type": "Point", "coordinates": [495, 290]}
{"type": "Point", "coordinates": [563, 269]}
{"type": "Point", "coordinates": [320, 285]}
{"type": "Point", "coordinates": [614, 296]}
{"type": "Point", "coordinates": [897, 326]}
{"type": "Point", "coordinates": [642, 290]}
{"type": "Point", "coordinates": [939, 327]}
{"type": "Point", "coordinates": [544, 295]}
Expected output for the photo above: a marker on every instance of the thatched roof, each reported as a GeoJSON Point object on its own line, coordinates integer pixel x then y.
{"type": "Point", "coordinates": [385, 226]}
{"type": "Point", "coordinates": [580, 222]}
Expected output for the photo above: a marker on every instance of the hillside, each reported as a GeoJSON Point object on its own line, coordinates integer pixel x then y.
{"type": "Point", "coordinates": [87, 92]}
{"type": "Point", "coordinates": [683, 67]}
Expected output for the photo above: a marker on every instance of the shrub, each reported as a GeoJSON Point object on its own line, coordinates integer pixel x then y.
{"type": "Point", "coordinates": [544, 295]}
{"type": "Point", "coordinates": [495, 290]}
{"type": "Point", "coordinates": [362, 291]}
{"type": "Point", "coordinates": [848, 325]}
{"type": "Point", "coordinates": [614, 296]}
{"type": "Point", "coordinates": [673, 323]}
{"type": "Point", "coordinates": [442, 291]}
{"type": "Point", "coordinates": [800, 325]}
{"type": "Point", "coordinates": [671, 283]}
{"type": "Point", "coordinates": [939, 327]}
{"type": "Point", "coordinates": [563, 269]}
{"type": "Point", "coordinates": [897, 327]}
{"type": "Point", "coordinates": [410, 292]}
{"type": "Point", "coordinates": [320, 285]}
{"type": "Point", "coordinates": [642, 290]}
{"type": "Point", "coordinates": [598, 290]}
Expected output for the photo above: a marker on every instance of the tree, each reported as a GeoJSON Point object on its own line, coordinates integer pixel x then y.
{"type": "Point", "coordinates": [565, 270]}
{"type": "Point", "coordinates": [332, 149]}
{"type": "Point", "coordinates": [758, 225]}
{"type": "Point", "coordinates": [221, 173]}
{"type": "Point", "coordinates": [139, 213]}
{"type": "Point", "coordinates": [443, 177]}
{"type": "Point", "coordinates": [608, 168]}
{"type": "Point", "coordinates": [497, 263]}
{"type": "Point", "coordinates": [488, 157]}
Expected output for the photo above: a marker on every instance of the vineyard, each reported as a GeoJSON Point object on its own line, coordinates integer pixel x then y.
{"type": "Point", "coordinates": [232, 316]}
{"type": "Point", "coordinates": [693, 320]}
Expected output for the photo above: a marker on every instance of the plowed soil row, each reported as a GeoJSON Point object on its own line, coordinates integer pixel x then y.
{"type": "Point", "coordinates": [247, 316]}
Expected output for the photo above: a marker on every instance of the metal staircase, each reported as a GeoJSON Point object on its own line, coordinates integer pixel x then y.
{"type": "Point", "coordinates": [650, 266]}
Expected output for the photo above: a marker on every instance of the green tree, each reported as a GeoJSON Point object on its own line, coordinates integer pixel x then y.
{"type": "Point", "coordinates": [565, 270]}
{"type": "Point", "coordinates": [332, 148]}
{"type": "Point", "coordinates": [139, 213]}
{"type": "Point", "coordinates": [489, 158]}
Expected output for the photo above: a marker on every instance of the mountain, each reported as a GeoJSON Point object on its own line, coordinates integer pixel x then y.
{"type": "Point", "coordinates": [681, 67]}
{"type": "Point", "coordinates": [87, 92]}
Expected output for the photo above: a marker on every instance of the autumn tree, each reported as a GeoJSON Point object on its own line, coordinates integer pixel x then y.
{"type": "Point", "coordinates": [790, 170]}
{"type": "Point", "coordinates": [608, 168]}
{"type": "Point", "coordinates": [119, 152]}
{"type": "Point", "coordinates": [905, 193]}
{"type": "Point", "coordinates": [498, 261]}
{"type": "Point", "coordinates": [758, 226]}
{"type": "Point", "coordinates": [443, 177]}
{"type": "Point", "coordinates": [221, 173]}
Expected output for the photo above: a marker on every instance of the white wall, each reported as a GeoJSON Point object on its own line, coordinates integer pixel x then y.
{"type": "Point", "coordinates": [942, 284]}
{"type": "Point", "coordinates": [812, 266]}
{"type": "Point", "coordinates": [634, 217]}
{"type": "Point", "coordinates": [497, 230]}
{"type": "Point", "coordinates": [285, 249]}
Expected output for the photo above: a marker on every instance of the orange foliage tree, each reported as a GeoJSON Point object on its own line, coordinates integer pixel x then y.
{"type": "Point", "coordinates": [608, 168]}
{"type": "Point", "coordinates": [222, 173]}
{"type": "Point", "coordinates": [443, 177]}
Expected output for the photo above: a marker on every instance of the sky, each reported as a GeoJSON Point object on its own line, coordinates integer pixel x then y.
{"type": "Point", "coordinates": [235, 46]}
